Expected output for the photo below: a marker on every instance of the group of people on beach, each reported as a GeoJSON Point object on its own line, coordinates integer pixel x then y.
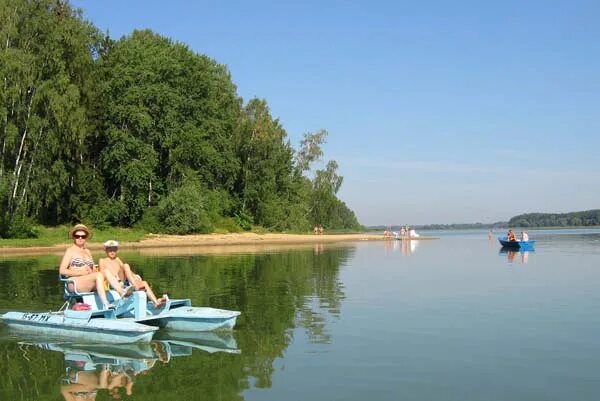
{"type": "Point", "coordinates": [83, 275]}
{"type": "Point", "coordinates": [318, 230]}
{"type": "Point", "coordinates": [405, 232]}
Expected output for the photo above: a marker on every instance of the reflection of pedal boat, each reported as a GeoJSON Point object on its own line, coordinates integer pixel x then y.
{"type": "Point", "coordinates": [207, 341]}
{"type": "Point", "coordinates": [516, 244]}
{"type": "Point", "coordinates": [134, 319]}
{"type": "Point", "coordinates": [85, 357]}
{"type": "Point", "coordinates": [138, 356]}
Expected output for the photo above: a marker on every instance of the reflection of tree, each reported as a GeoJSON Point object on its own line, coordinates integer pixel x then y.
{"type": "Point", "coordinates": [30, 374]}
{"type": "Point", "coordinates": [275, 292]}
{"type": "Point", "coordinates": [328, 295]}
{"type": "Point", "coordinates": [29, 283]}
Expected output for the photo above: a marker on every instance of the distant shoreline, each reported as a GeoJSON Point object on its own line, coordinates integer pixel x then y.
{"type": "Point", "coordinates": [210, 240]}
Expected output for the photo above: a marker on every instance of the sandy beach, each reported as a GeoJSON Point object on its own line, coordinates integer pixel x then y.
{"type": "Point", "coordinates": [212, 243]}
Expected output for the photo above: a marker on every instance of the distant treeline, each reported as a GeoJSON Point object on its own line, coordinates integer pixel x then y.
{"type": "Point", "coordinates": [143, 131]}
{"type": "Point", "coordinates": [574, 219]}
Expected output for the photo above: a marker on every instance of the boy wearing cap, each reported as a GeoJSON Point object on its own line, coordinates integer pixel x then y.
{"type": "Point", "coordinates": [113, 265]}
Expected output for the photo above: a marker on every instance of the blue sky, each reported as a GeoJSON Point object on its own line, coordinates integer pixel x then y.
{"type": "Point", "coordinates": [437, 111]}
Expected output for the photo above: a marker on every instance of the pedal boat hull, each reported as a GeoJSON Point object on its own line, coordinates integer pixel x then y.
{"type": "Point", "coordinates": [82, 326]}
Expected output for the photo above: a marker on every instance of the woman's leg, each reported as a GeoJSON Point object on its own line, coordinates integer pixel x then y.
{"type": "Point", "coordinates": [85, 283]}
{"type": "Point", "coordinates": [91, 282]}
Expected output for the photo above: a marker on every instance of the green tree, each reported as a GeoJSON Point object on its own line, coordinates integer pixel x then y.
{"type": "Point", "coordinates": [267, 185]}
{"type": "Point", "coordinates": [46, 55]}
{"type": "Point", "coordinates": [167, 113]}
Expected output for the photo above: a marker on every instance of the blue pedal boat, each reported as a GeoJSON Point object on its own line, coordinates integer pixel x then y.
{"type": "Point", "coordinates": [133, 319]}
{"type": "Point", "coordinates": [516, 244]}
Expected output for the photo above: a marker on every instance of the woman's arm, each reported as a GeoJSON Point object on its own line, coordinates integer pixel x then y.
{"type": "Point", "coordinates": [64, 264]}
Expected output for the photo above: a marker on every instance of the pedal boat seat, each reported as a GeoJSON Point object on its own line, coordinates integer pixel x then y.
{"type": "Point", "coordinates": [70, 289]}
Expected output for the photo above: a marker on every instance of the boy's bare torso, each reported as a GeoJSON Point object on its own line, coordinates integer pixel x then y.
{"type": "Point", "coordinates": [115, 266]}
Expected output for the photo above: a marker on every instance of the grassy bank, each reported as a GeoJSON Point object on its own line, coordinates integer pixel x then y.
{"type": "Point", "coordinates": [48, 236]}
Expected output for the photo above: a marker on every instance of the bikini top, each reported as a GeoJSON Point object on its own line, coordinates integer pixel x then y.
{"type": "Point", "coordinates": [80, 263]}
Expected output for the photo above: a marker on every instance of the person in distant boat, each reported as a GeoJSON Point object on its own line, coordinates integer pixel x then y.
{"type": "Point", "coordinates": [524, 236]}
{"type": "Point", "coordinates": [511, 236]}
{"type": "Point", "coordinates": [115, 270]}
{"type": "Point", "coordinates": [77, 266]}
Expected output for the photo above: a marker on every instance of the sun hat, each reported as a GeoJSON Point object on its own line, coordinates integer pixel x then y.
{"type": "Point", "coordinates": [80, 227]}
{"type": "Point", "coordinates": [111, 243]}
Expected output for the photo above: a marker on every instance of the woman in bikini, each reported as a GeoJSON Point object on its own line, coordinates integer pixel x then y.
{"type": "Point", "coordinates": [78, 266]}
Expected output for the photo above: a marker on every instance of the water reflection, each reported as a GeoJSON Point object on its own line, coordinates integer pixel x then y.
{"type": "Point", "coordinates": [92, 368]}
{"type": "Point", "coordinates": [405, 246]}
{"type": "Point", "coordinates": [277, 293]}
{"type": "Point", "coordinates": [516, 255]}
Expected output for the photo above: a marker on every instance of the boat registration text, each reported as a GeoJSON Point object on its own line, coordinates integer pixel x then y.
{"type": "Point", "coordinates": [38, 317]}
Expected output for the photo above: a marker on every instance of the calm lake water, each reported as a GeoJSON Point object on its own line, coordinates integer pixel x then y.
{"type": "Point", "coordinates": [450, 319]}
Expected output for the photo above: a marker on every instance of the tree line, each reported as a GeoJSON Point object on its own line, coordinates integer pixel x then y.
{"type": "Point", "coordinates": [143, 131]}
{"type": "Point", "coordinates": [574, 219]}
{"type": "Point", "coordinates": [585, 218]}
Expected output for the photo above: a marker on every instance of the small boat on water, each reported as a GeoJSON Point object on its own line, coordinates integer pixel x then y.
{"type": "Point", "coordinates": [516, 244]}
{"type": "Point", "coordinates": [133, 319]}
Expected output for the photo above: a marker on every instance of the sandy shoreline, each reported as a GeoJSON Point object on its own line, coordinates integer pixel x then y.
{"type": "Point", "coordinates": [219, 242]}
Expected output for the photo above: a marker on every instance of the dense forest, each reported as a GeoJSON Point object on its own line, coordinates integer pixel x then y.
{"type": "Point", "coordinates": [573, 219]}
{"type": "Point", "coordinates": [142, 131]}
